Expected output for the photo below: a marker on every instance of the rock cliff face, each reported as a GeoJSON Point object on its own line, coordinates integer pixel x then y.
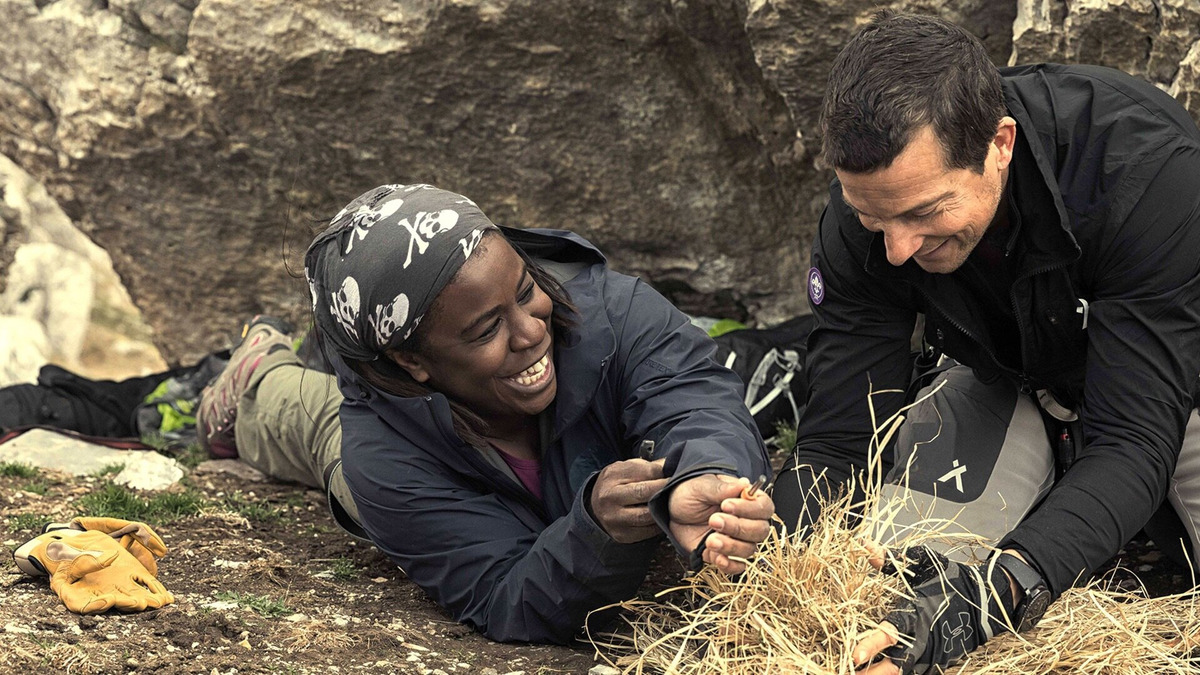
{"type": "Point", "coordinates": [60, 300]}
{"type": "Point", "coordinates": [1158, 40]}
{"type": "Point", "coordinates": [202, 142]}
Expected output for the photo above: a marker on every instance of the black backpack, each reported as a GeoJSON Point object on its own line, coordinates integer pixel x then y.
{"type": "Point", "coordinates": [770, 362]}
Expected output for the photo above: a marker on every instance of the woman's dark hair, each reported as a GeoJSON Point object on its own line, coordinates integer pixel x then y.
{"type": "Point", "coordinates": [386, 375]}
{"type": "Point", "coordinates": [899, 73]}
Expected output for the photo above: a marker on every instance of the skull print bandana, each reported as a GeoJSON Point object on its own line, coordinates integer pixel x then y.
{"type": "Point", "coordinates": [374, 272]}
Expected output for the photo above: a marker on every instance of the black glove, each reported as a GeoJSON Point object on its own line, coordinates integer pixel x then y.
{"type": "Point", "coordinates": [946, 618]}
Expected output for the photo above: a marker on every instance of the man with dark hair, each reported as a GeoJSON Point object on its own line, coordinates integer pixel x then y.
{"type": "Point", "coordinates": [1045, 223]}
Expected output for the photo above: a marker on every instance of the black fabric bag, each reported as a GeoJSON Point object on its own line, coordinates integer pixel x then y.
{"type": "Point", "coordinates": [63, 400]}
{"type": "Point", "coordinates": [770, 362]}
{"type": "Point", "coordinates": [102, 408]}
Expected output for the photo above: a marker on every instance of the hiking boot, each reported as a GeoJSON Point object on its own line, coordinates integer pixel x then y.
{"type": "Point", "coordinates": [217, 412]}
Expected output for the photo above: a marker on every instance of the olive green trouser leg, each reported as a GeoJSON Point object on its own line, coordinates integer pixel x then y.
{"type": "Point", "coordinates": [287, 425]}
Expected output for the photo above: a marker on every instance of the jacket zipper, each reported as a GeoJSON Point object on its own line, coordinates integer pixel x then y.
{"type": "Point", "coordinates": [963, 329]}
{"type": "Point", "coordinates": [504, 484]}
{"type": "Point", "coordinates": [1012, 296]}
{"type": "Point", "coordinates": [1025, 386]}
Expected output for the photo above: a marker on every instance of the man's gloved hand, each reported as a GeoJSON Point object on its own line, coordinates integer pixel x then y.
{"type": "Point", "coordinates": [955, 608]}
{"type": "Point", "coordinates": [92, 572]}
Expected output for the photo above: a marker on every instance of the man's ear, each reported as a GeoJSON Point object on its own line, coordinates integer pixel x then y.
{"type": "Point", "coordinates": [411, 364]}
{"type": "Point", "coordinates": [1005, 140]}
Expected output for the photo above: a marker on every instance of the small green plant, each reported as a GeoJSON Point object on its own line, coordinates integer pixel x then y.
{"type": "Point", "coordinates": [114, 501]}
{"type": "Point", "coordinates": [259, 603]}
{"type": "Point", "coordinates": [257, 511]}
{"type": "Point", "coordinates": [38, 486]}
{"type": "Point", "coordinates": [785, 436]}
{"type": "Point", "coordinates": [109, 470]}
{"type": "Point", "coordinates": [343, 569]}
{"type": "Point", "coordinates": [27, 521]}
{"type": "Point", "coordinates": [17, 470]}
{"type": "Point", "coordinates": [189, 455]}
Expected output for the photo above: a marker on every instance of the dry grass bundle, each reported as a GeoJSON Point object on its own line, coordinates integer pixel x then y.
{"type": "Point", "coordinates": [1093, 630]}
{"type": "Point", "coordinates": [318, 635]}
{"type": "Point", "coordinates": [802, 605]}
{"type": "Point", "coordinates": [71, 659]}
{"type": "Point", "coordinates": [800, 608]}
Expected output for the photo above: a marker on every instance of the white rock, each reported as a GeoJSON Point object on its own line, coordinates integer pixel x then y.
{"type": "Point", "coordinates": [144, 470]}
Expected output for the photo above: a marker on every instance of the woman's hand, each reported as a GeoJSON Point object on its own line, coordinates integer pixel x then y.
{"type": "Point", "coordinates": [621, 495]}
{"type": "Point", "coordinates": [715, 502]}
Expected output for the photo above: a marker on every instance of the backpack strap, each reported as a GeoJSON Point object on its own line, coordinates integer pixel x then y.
{"type": "Point", "coordinates": [789, 362]}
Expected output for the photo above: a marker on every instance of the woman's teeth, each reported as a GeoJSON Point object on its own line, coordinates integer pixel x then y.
{"type": "Point", "coordinates": [533, 373]}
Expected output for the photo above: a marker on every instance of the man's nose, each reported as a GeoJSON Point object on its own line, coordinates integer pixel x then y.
{"type": "Point", "coordinates": [901, 245]}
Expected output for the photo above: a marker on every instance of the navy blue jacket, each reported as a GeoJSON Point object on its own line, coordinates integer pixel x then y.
{"type": "Point", "coordinates": [480, 544]}
{"type": "Point", "coordinates": [1105, 181]}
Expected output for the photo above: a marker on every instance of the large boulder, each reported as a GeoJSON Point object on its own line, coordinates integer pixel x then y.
{"type": "Point", "coordinates": [60, 300]}
{"type": "Point", "coordinates": [202, 143]}
{"type": "Point", "coordinates": [795, 41]}
{"type": "Point", "coordinates": [1154, 39]}
{"type": "Point", "coordinates": [204, 164]}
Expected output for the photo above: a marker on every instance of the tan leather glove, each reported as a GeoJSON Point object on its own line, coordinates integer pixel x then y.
{"type": "Point", "coordinates": [136, 537]}
{"type": "Point", "coordinates": [91, 572]}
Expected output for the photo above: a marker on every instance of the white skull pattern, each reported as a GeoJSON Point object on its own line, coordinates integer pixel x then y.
{"type": "Point", "coordinates": [388, 319]}
{"type": "Point", "coordinates": [390, 189]}
{"type": "Point", "coordinates": [312, 290]}
{"type": "Point", "coordinates": [346, 307]}
{"type": "Point", "coordinates": [469, 242]}
{"type": "Point", "coordinates": [428, 226]}
{"type": "Point", "coordinates": [366, 217]}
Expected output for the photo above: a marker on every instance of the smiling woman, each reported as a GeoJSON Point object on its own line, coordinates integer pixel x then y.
{"type": "Point", "coordinates": [493, 389]}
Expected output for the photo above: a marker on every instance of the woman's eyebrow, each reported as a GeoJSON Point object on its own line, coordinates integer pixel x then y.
{"type": "Point", "coordinates": [483, 318]}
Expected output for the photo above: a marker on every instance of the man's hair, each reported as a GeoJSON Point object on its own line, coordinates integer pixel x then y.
{"type": "Point", "coordinates": [899, 73]}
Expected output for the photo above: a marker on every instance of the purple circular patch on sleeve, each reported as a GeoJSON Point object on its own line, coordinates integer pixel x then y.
{"type": "Point", "coordinates": [816, 286]}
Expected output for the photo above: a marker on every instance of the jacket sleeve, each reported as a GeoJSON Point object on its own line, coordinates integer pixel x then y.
{"type": "Point", "coordinates": [859, 344]}
{"type": "Point", "coordinates": [673, 391]}
{"type": "Point", "coordinates": [504, 575]}
{"type": "Point", "coordinates": [1143, 361]}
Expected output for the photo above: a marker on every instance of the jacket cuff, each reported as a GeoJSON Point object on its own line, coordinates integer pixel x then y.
{"type": "Point", "coordinates": [1028, 545]}
{"type": "Point", "coordinates": [588, 529]}
{"type": "Point", "coordinates": [660, 504]}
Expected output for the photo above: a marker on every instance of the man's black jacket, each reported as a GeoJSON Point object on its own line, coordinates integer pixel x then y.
{"type": "Point", "coordinates": [1105, 179]}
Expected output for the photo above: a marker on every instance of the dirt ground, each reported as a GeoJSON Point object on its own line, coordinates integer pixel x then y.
{"type": "Point", "coordinates": [264, 582]}
{"type": "Point", "coordinates": [281, 591]}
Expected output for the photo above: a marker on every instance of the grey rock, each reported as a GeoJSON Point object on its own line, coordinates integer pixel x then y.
{"type": "Point", "coordinates": [24, 349]}
{"type": "Point", "coordinates": [142, 470]}
{"type": "Point", "coordinates": [53, 277]}
{"type": "Point", "coordinates": [1148, 38]}
{"type": "Point", "coordinates": [644, 125]}
{"type": "Point", "coordinates": [1186, 86]}
{"type": "Point", "coordinates": [53, 287]}
{"type": "Point", "coordinates": [203, 143]}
